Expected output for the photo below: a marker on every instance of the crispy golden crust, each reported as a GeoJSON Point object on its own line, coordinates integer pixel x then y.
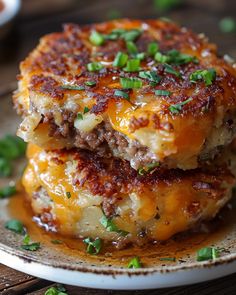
{"type": "Point", "coordinates": [62, 58]}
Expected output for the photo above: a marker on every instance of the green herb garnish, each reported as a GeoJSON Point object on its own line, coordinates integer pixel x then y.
{"type": "Point", "coordinates": [68, 194]}
{"type": "Point", "coordinates": [86, 110]}
{"type": "Point", "coordinates": [58, 290]}
{"type": "Point", "coordinates": [29, 246]}
{"type": "Point", "coordinates": [123, 94]}
{"type": "Point", "coordinates": [169, 69]}
{"type": "Point", "coordinates": [12, 147]}
{"type": "Point", "coordinates": [140, 55]}
{"type": "Point", "coordinates": [130, 83]}
{"type": "Point", "coordinates": [166, 5]}
{"type": "Point", "coordinates": [133, 65]}
{"type": "Point", "coordinates": [94, 246]}
{"type": "Point", "coordinates": [120, 60]}
{"type": "Point", "coordinates": [207, 253]}
{"type": "Point", "coordinates": [162, 58]}
{"type": "Point", "coordinates": [152, 49]}
{"type": "Point", "coordinates": [73, 87]}
{"type": "Point", "coordinates": [176, 108]}
{"type": "Point", "coordinates": [90, 83]}
{"type": "Point", "coordinates": [162, 92]}
{"type": "Point", "coordinates": [131, 47]}
{"type": "Point", "coordinates": [110, 226]}
{"type": "Point", "coordinates": [15, 226]}
{"type": "Point", "coordinates": [227, 25]}
{"type": "Point", "coordinates": [151, 76]}
{"type": "Point", "coordinates": [208, 76]}
{"type": "Point", "coordinates": [94, 66]}
{"type": "Point", "coordinates": [167, 259]}
{"type": "Point", "coordinates": [115, 34]}
{"type": "Point", "coordinates": [96, 38]}
{"type": "Point", "coordinates": [7, 191]}
{"type": "Point", "coordinates": [80, 116]}
{"type": "Point", "coordinates": [134, 263]}
{"type": "Point", "coordinates": [131, 35]}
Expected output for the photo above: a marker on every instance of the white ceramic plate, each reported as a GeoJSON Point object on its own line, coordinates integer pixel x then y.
{"type": "Point", "coordinates": [71, 266]}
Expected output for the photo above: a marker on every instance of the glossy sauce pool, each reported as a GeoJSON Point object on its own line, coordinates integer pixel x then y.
{"type": "Point", "coordinates": [181, 247]}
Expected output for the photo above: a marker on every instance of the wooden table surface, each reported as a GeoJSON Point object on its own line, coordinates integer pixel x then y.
{"type": "Point", "coordinates": [40, 17]}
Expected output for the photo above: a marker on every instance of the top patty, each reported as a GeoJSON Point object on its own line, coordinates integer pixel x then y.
{"type": "Point", "coordinates": [173, 101]}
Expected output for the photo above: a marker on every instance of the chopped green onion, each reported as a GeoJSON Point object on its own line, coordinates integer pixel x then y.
{"type": "Point", "coordinates": [29, 246]}
{"type": "Point", "coordinates": [94, 66]}
{"type": "Point", "coordinates": [162, 92]}
{"type": "Point", "coordinates": [162, 58]}
{"type": "Point", "coordinates": [167, 259]}
{"type": "Point", "coordinates": [148, 168]}
{"type": "Point", "coordinates": [68, 194]}
{"type": "Point", "coordinates": [152, 49]}
{"type": "Point", "coordinates": [86, 110]}
{"type": "Point", "coordinates": [115, 34]}
{"type": "Point", "coordinates": [122, 94]}
{"type": "Point", "coordinates": [90, 83]}
{"type": "Point", "coordinates": [140, 55]}
{"type": "Point", "coordinates": [26, 240]}
{"type": "Point", "coordinates": [176, 108]}
{"type": "Point", "coordinates": [94, 246]}
{"type": "Point", "coordinates": [208, 76]}
{"type": "Point", "coordinates": [178, 58]}
{"type": "Point", "coordinates": [7, 191]}
{"type": "Point", "coordinates": [131, 47]}
{"type": "Point", "coordinates": [96, 38]}
{"type": "Point", "coordinates": [130, 83]}
{"type": "Point", "coordinates": [134, 263]}
{"type": "Point", "coordinates": [131, 35]}
{"type": "Point", "coordinates": [151, 76]}
{"type": "Point", "coordinates": [58, 290]}
{"type": "Point", "coordinates": [169, 69]}
{"type": "Point", "coordinates": [5, 167]}
{"type": "Point", "coordinates": [110, 226]}
{"type": "Point", "coordinates": [56, 242]}
{"type": "Point", "coordinates": [227, 25]}
{"type": "Point", "coordinates": [80, 116]}
{"type": "Point", "coordinates": [120, 60]}
{"type": "Point", "coordinates": [73, 87]}
{"type": "Point", "coordinates": [15, 226]}
{"type": "Point", "coordinates": [133, 65]}
{"type": "Point", "coordinates": [207, 253]}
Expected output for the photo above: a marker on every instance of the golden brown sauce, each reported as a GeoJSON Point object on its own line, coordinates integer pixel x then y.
{"type": "Point", "coordinates": [180, 247]}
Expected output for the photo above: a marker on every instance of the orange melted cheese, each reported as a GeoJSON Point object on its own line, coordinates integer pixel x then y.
{"type": "Point", "coordinates": [41, 172]}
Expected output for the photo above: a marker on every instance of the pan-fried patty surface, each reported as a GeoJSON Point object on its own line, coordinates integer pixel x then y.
{"type": "Point", "coordinates": [81, 194]}
{"type": "Point", "coordinates": [146, 91]}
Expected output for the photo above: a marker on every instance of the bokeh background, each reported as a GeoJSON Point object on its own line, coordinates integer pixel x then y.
{"type": "Point", "coordinates": [216, 18]}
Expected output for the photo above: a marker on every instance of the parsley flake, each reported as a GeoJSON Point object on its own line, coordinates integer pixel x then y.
{"type": "Point", "coordinates": [94, 246]}
{"type": "Point", "coordinates": [134, 263]}
{"type": "Point", "coordinates": [15, 226]}
{"type": "Point", "coordinates": [110, 226]}
{"type": "Point", "coordinates": [207, 253]}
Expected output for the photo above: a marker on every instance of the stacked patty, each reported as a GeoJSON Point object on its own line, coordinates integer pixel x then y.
{"type": "Point", "coordinates": [129, 123]}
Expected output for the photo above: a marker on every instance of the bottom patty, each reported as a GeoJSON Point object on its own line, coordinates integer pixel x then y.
{"type": "Point", "coordinates": [83, 195]}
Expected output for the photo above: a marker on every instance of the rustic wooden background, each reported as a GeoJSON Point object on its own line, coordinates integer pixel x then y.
{"type": "Point", "coordinates": [38, 17]}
